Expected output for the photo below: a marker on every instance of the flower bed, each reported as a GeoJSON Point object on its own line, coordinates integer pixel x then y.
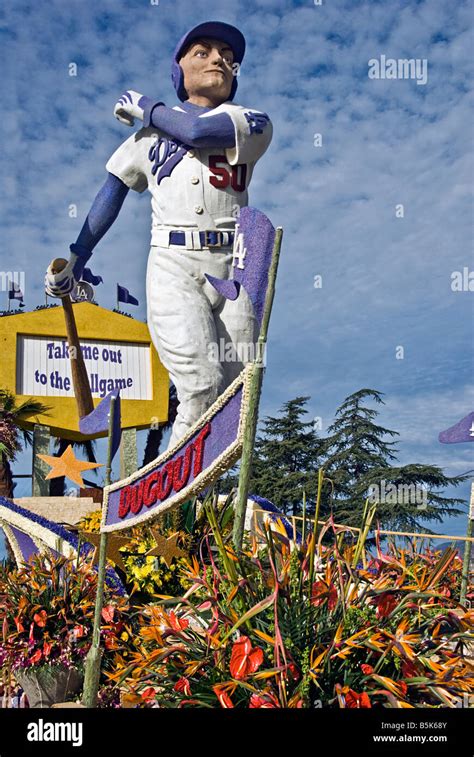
{"type": "Point", "coordinates": [305, 627]}
{"type": "Point", "coordinates": [46, 617]}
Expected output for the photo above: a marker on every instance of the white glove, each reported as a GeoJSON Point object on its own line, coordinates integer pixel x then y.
{"type": "Point", "coordinates": [62, 283]}
{"type": "Point", "coordinates": [130, 106]}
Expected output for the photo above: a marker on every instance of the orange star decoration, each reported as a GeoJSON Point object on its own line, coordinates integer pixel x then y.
{"type": "Point", "coordinates": [113, 547]}
{"type": "Point", "coordinates": [166, 547]}
{"type": "Point", "coordinates": [68, 465]}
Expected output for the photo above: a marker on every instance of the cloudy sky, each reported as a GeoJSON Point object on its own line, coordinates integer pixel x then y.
{"type": "Point", "coordinates": [385, 143]}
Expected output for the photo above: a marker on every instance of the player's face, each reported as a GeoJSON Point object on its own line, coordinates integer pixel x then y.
{"type": "Point", "coordinates": [207, 69]}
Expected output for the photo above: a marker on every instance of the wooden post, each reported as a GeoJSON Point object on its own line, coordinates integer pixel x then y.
{"type": "Point", "coordinates": [41, 439]}
{"type": "Point", "coordinates": [128, 452]}
{"type": "Point", "coordinates": [250, 429]}
{"type": "Point", "coordinates": [467, 549]}
{"type": "Point", "coordinates": [94, 656]}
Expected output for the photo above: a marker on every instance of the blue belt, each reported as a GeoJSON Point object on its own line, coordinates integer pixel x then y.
{"type": "Point", "coordinates": [207, 238]}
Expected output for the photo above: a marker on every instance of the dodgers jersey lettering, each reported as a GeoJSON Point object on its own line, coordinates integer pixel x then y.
{"type": "Point", "coordinates": [194, 188]}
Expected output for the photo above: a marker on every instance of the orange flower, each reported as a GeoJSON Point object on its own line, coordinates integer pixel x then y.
{"type": "Point", "coordinates": [244, 660]}
{"type": "Point", "coordinates": [223, 697]}
{"type": "Point", "coordinates": [183, 686]}
{"type": "Point", "coordinates": [367, 669]}
{"type": "Point", "coordinates": [40, 618]}
{"type": "Point", "coordinates": [177, 624]}
{"type": "Point", "coordinates": [19, 626]}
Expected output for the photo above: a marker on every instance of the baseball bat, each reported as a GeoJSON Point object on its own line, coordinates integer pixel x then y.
{"type": "Point", "coordinates": [80, 379]}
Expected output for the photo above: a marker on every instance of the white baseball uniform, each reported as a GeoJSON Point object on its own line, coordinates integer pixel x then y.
{"type": "Point", "coordinates": [194, 190]}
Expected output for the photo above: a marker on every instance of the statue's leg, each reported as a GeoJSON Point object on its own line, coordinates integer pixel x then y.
{"type": "Point", "coordinates": [182, 328]}
{"type": "Point", "coordinates": [237, 332]}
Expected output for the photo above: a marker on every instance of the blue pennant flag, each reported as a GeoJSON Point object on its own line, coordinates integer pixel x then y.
{"type": "Point", "coordinates": [88, 276]}
{"type": "Point", "coordinates": [123, 295]}
{"type": "Point", "coordinates": [463, 431]}
{"type": "Point", "coordinates": [15, 293]}
{"type": "Point", "coordinates": [98, 420]}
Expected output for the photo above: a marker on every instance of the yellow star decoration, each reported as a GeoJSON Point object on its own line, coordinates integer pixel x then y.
{"type": "Point", "coordinates": [166, 547]}
{"type": "Point", "coordinates": [113, 547]}
{"type": "Point", "coordinates": [68, 465]}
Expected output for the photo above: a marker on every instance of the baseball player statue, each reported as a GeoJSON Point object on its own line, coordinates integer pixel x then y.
{"type": "Point", "coordinates": [196, 160]}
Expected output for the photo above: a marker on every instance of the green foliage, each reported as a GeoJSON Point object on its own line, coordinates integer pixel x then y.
{"type": "Point", "coordinates": [358, 458]}
{"type": "Point", "coordinates": [359, 461]}
{"type": "Point", "coordinates": [12, 418]}
{"type": "Point", "coordinates": [286, 458]}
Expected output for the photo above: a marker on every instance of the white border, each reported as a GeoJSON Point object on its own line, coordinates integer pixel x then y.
{"type": "Point", "coordinates": [223, 462]}
{"type": "Point", "coordinates": [35, 531]}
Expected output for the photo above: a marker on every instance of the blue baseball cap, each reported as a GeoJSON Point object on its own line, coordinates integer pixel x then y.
{"type": "Point", "coordinates": [217, 30]}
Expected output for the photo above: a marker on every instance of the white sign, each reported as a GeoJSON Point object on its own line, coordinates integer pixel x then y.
{"type": "Point", "coordinates": [44, 368]}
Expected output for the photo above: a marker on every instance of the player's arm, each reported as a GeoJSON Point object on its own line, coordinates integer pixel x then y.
{"type": "Point", "coordinates": [193, 130]}
{"type": "Point", "coordinates": [244, 133]}
{"type": "Point", "coordinates": [253, 133]}
{"type": "Point", "coordinates": [190, 129]}
{"type": "Point", "coordinates": [100, 218]}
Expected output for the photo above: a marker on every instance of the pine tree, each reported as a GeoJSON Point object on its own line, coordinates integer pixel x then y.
{"type": "Point", "coordinates": [286, 459]}
{"type": "Point", "coordinates": [358, 460]}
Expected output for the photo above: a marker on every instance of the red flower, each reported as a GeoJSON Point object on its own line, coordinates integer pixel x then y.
{"type": "Point", "coordinates": [321, 591]}
{"type": "Point", "coordinates": [111, 641]}
{"type": "Point", "coordinates": [244, 660]}
{"type": "Point", "coordinates": [47, 648]}
{"type": "Point", "coordinates": [409, 669]}
{"type": "Point", "coordinates": [266, 702]}
{"type": "Point", "coordinates": [177, 624]}
{"type": "Point", "coordinates": [19, 626]}
{"type": "Point", "coordinates": [108, 613]}
{"type": "Point", "coordinates": [385, 603]}
{"type": "Point", "coordinates": [403, 687]}
{"type": "Point", "coordinates": [79, 631]}
{"type": "Point", "coordinates": [183, 686]}
{"type": "Point", "coordinates": [224, 699]}
{"type": "Point", "coordinates": [354, 700]}
{"type": "Point", "coordinates": [149, 694]}
{"type": "Point", "coordinates": [40, 618]}
{"type": "Point", "coordinates": [295, 674]}
{"type": "Point", "coordinates": [36, 657]}
{"type": "Point", "coordinates": [367, 669]}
